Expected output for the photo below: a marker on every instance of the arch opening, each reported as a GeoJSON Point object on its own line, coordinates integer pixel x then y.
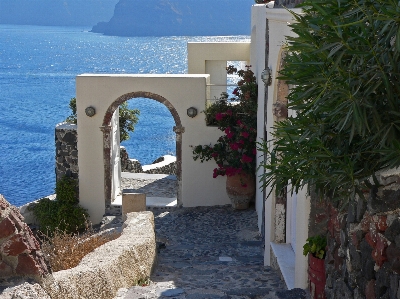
{"type": "Point", "coordinates": [106, 128]}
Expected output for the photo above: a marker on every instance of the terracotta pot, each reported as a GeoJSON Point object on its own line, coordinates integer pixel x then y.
{"type": "Point", "coordinates": [241, 189]}
{"type": "Point", "coordinates": [316, 277]}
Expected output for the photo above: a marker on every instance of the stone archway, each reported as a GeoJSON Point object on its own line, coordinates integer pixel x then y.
{"type": "Point", "coordinates": [106, 129]}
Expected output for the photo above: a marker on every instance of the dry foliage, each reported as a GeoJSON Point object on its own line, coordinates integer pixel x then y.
{"type": "Point", "coordinates": [64, 250]}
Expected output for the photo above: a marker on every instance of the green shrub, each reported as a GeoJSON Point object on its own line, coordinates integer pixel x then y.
{"type": "Point", "coordinates": [344, 69]}
{"type": "Point", "coordinates": [63, 213]}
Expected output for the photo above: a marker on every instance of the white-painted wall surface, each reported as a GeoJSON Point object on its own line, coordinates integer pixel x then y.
{"type": "Point", "coordinates": [211, 58]}
{"type": "Point", "coordinates": [199, 53]}
{"type": "Point", "coordinates": [199, 188]}
{"type": "Point", "coordinates": [257, 61]}
{"type": "Point", "coordinates": [278, 21]}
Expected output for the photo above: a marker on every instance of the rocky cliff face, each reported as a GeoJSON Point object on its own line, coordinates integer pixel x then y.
{"type": "Point", "coordinates": [178, 17]}
{"type": "Point", "coordinates": [55, 12]}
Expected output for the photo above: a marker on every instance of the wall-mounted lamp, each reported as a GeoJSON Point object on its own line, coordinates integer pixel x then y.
{"type": "Point", "coordinates": [192, 112]}
{"type": "Point", "coordinates": [90, 111]}
{"type": "Point", "coordinates": [266, 76]}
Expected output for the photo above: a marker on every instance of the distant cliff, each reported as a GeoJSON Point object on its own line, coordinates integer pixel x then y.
{"type": "Point", "coordinates": [178, 17]}
{"type": "Point", "coordinates": [56, 12]}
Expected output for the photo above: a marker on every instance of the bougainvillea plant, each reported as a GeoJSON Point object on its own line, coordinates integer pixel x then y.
{"type": "Point", "coordinates": [235, 151]}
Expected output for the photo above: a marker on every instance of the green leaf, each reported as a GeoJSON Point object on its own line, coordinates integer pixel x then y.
{"type": "Point", "coordinates": [397, 43]}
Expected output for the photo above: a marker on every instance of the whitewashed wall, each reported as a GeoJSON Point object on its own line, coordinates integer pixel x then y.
{"type": "Point", "coordinates": [294, 264]}
{"type": "Point", "coordinates": [257, 61]}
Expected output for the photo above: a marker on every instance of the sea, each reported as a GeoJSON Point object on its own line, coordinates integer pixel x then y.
{"type": "Point", "coordinates": [38, 66]}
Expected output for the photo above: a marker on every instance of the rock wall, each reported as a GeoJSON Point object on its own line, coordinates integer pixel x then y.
{"type": "Point", "coordinates": [66, 138]}
{"type": "Point", "coordinates": [363, 256]}
{"type": "Point", "coordinates": [162, 165]}
{"type": "Point", "coordinates": [129, 165]}
{"type": "Point", "coordinates": [20, 254]}
{"type": "Point", "coordinates": [120, 263]}
{"type": "Point", "coordinates": [167, 169]}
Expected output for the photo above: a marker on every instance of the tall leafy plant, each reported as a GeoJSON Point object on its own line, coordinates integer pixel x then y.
{"type": "Point", "coordinates": [344, 67]}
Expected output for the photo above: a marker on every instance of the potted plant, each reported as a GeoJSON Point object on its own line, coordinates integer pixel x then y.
{"type": "Point", "coordinates": [315, 248]}
{"type": "Point", "coordinates": [235, 151]}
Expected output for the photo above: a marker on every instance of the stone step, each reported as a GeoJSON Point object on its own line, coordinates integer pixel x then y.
{"type": "Point", "coordinates": [152, 202]}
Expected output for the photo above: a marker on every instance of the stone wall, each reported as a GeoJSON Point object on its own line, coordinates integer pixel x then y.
{"type": "Point", "coordinates": [129, 165]}
{"type": "Point", "coordinates": [120, 263]}
{"type": "Point", "coordinates": [363, 256]}
{"type": "Point", "coordinates": [66, 138]}
{"type": "Point", "coordinates": [20, 254]}
{"type": "Point", "coordinates": [162, 165]}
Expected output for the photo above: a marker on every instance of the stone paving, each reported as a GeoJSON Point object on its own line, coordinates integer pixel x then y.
{"type": "Point", "coordinates": [209, 253]}
{"type": "Point", "coordinates": [205, 252]}
{"type": "Point", "coordinates": [153, 187]}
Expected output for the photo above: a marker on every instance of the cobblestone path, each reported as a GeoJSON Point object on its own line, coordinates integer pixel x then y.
{"type": "Point", "coordinates": [210, 253]}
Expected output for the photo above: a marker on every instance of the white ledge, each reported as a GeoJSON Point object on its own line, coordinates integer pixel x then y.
{"type": "Point", "coordinates": [286, 261]}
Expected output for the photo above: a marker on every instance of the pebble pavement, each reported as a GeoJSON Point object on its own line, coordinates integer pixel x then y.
{"type": "Point", "coordinates": [164, 186]}
{"type": "Point", "coordinates": [207, 253]}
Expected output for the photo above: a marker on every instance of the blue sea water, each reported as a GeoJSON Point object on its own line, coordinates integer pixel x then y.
{"type": "Point", "coordinates": [38, 66]}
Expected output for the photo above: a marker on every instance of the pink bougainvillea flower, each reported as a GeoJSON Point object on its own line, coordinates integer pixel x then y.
{"type": "Point", "coordinates": [228, 132]}
{"type": "Point", "coordinates": [241, 141]}
{"type": "Point", "coordinates": [219, 171]}
{"type": "Point", "coordinates": [234, 146]}
{"type": "Point", "coordinates": [215, 173]}
{"type": "Point", "coordinates": [254, 151]}
{"type": "Point", "coordinates": [245, 134]}
{"type": "Point", "coordinates": [214, 154]}
{"type": "Point", "coordinates": [230, 171]}
{"type": "Point", "coordinates": [239, 122]}
{"type": "Point", "coordinates": [235, 91]}
{"type": "Point", "coordinates": [229, 112]}
{"type": "Point", "coordinates": [219, 116]}
{"type": "Point", "coordinates": [246, 159]}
